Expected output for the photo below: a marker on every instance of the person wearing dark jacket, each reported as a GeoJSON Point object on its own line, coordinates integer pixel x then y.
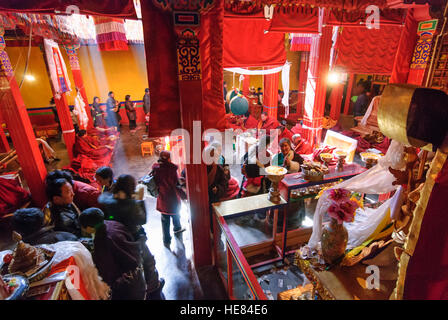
{"type": "Point", "coordinates": [105, 178]}
{"type": "Point", "coordinates": [116, 254]}
{"type": "Point", "coordinates": [130, 112]}
{"type": "Point", "coordinates": [120, 206]}
{"type": "Point", "coordinates": [97, 113]}
{"type": "Point", "coordinates": [146, 102]}
{"type": "Point", "coordinates": [63, 212]}
{"type": "Point", "coordinates": [168, 200]}
{"type": "Point", "coordinates": [29, 223]}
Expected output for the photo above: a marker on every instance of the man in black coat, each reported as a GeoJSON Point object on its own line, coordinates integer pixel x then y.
{"type": "Point", "coordinates": [29, 223]}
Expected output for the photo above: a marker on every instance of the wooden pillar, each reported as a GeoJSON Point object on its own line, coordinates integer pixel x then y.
{"type": "Point", "coordinates": [19, 126]}
{"type": "Point", "coordinates": [270, 94]}
{"type": "Point", "coordinates": [65, 119]}
{"type": "Point", "coordinates": [348, 94]}
{"type": "Point", "coordinates": [317, 85]}
{"type": "Point", "coordinates": [77, 77]}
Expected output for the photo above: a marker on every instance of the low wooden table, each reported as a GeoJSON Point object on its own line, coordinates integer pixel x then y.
{"type": "Point", "coordinates": [345, 283]}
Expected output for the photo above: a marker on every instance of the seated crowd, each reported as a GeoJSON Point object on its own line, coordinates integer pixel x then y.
{"type": "Point", "coordinates": [114, 214]}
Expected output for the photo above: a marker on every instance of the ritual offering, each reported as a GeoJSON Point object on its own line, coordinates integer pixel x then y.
{"type": "Point", "coordinates": [29, 261]}
{"type": "Point", "coordinates": [275, 174]}
{"type": "Point", "coordinates": [340, 155]}
{"type": "Point", "coordinates": [370, 158]}
{"type": "Point", "coordinates": [327, 158]}
{"type": "Point", "coordinates": [313, 171]}
{"type": "Point", "coordinates": [13, 287]}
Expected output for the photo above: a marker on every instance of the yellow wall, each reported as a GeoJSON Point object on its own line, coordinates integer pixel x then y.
{"type": "Point", "coordinates": [123, 72]}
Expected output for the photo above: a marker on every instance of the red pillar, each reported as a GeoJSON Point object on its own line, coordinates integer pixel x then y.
{"type": "Point", "coordinates": [189, 75]}
{"type": "Point", "coordinates": [65, 119]}
{"type": "Point", "coordinates": [246, 85]}
{"type": "Point", "coordinates": [270, 94]}
{"type": "Point", "coordinates": [19, 126]}
{"type": "Point", "coordinates": [348, 94]}
{"type": "Point", "coordinates": [77, 77]}
{"type": "Point", "coordinates": [317, 85]}
{"type": "Point", "coordinates": [336, 100]}
{"type": "Point", "coordinates": [4, 145]}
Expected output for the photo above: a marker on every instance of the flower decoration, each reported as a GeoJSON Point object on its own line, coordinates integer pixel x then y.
{"type": "Point", "coordinates": [339, 195]}
{"type": "Point", "coordinates": [342, 207]}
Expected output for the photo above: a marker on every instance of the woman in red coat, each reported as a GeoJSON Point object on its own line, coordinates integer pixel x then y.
{"type": "Point", "coordinates": [168, 201]}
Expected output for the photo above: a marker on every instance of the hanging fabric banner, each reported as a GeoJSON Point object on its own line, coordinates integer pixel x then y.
{"type": "Point", "coordinates": [56, 65]}
{"type": "Point", "coordinates": [110, 34]}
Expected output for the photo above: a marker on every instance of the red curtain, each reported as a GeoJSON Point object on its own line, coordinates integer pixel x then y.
{"type": "Point", "coordinates": [427, 271]}
{"type": "Point", "coordinates": [295, 19]}
{"type": "Point", "coordinates": [362, 50]}
{"type": "Point", "coordinates": [405, 51]}
{"type": "Point", "coordinates": [247, 45]}
{"type": "Point", "coordinates": [358, 18]}
{"type": "Point", "coordinates": [211, 44]}
{"type": "Point", "coordinates": [160, 46]}
{"type": "Point", "coordinates": [160, 49]}
{"type": "Point", "coordinates": [113, 8]}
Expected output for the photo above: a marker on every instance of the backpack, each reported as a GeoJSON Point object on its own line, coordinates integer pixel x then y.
{"type": "Point", "coordinates": [150, 182]}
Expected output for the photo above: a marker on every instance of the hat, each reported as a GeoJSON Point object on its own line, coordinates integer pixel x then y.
{"type": "Point", "coordinates": [165, 155]}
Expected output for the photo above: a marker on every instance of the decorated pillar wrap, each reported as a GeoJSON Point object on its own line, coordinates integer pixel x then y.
{"type": "Point", "coordinates": [422, 52]}
{"type": "Point", "coordinates": [270, 93]}
{"type": "Point", "coordinates": [14, 113]}
{"type": "Point", "coordinates": [246, 84]}
{"type": "Point", "coordinates": [304, 58]}
{"type": "Point", "coordinates": [189, 64]}
{"type": "Point", "coordinates": [60, 84]}
{"type": "Point", "coordinates": [316, 86]}
{"type": "Point", "coordinates": [77, 77]}
{"type": "Point", "coordinates": [110, 34]}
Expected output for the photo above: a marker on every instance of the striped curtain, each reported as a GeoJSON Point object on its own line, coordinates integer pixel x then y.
{"type": "Point", "coordinates": [110, 34]}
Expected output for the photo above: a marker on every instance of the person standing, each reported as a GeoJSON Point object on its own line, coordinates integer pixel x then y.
{"type": "Point", "coordinates": [97, 113]}
{"type": "Point", "coordinates": [112, 109]}
{"type": "Point", "coordinates": [147, 107]}
{"type": "Point", "coordinates": [146, 102]}
{"type": "Point", "coordinates": [168, 200]}
{"type": "Point", "coordinates": [120, 205]}
{"type": "Point", "coordinates": [131, 113]}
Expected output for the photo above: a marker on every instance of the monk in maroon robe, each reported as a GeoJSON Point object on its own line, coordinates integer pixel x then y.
{"type": "Point", "coordinates": [267, 123]}
{"type": "Point", "coordinates": [301, 145]}
{"type": "Point", "coordinates": [85, 146]}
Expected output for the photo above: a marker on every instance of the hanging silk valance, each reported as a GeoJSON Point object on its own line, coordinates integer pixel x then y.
{"type": "Point", "coordinates": [248, 44]}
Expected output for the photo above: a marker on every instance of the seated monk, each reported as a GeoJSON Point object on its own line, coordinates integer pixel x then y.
{"type": "Point", "coordinates": [86, 146]}
{"type": "Point", "coordinates": [285, 133]}
{"type": "Point", "coordinates": [233, 187]}
{"type": "Point", "coordinates": [301, 146]}
{"type": "Point", "coordinates": [249, 122]}
{"type": "Point", "coordinates": [267, 123]}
